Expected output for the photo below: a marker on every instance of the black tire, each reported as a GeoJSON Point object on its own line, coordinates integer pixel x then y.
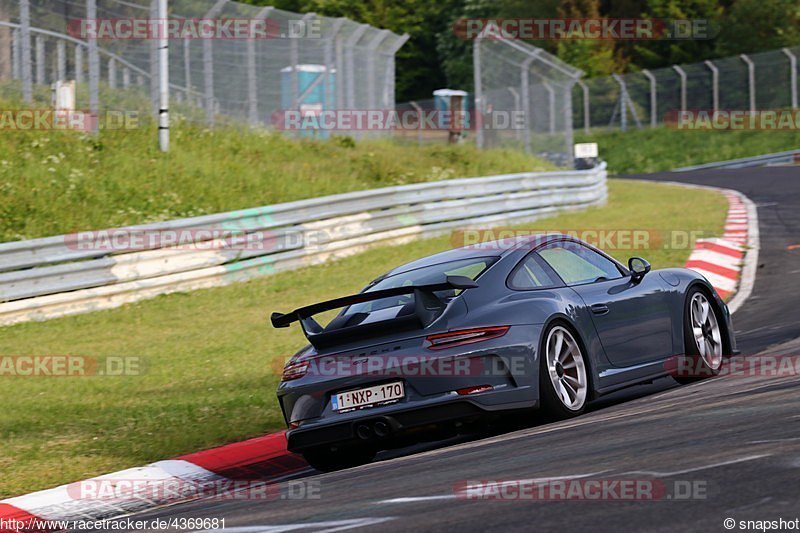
{"type": "Point", "coordinates": [326, 459]}
{"type": "Point", "coordinates": [553, 406]}
{"type": "Point", "coordinates": [692, 366]}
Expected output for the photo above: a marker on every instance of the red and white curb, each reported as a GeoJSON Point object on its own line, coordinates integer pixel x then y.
{"type": "Point", "coordinates": [721, 260]}
{"type": "Point", "coordinates": [255, 461]}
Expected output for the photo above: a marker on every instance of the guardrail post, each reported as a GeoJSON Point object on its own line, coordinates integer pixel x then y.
{"type": "Point", "coordinates": [587, 116]}
{"type": "Point", "coordinates": [61, 60]}
{"type": "Point", "coordinates": [94, 67]}
{"type": "Point", "coordinates": [78, 63]}
{"type": "Point", "coordinates": [25, 49]}
{"type": "Point", "coordinates": [476, 76]}
{"type": "Point", "coordinates": [682, 74]}
{"type": "Point", "coordinates": [653, 97]}
{"type": "Point", "coordinates": [39, 60]}
{"type": "Point", "coordinates": [751, 81]}
{"type": "Point", "coordinates": [792, 75]}
{"type": "Point", "coordinates": [714, 84]}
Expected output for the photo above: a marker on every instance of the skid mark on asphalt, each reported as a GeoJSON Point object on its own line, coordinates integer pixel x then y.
{"type": "Point", "coordinates": [508, 482]}
{"type": "Point", "coordinates": [698, 468]}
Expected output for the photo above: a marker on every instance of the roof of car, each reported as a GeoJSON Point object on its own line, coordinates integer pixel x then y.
{"type": "Point", "coordinates": [495, 248]}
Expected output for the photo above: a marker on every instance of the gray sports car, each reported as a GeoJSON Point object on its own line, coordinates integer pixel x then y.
{"type": "Point", "coordinates": [456, 338]}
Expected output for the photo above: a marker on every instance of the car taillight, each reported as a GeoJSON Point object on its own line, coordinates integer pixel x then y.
{"type": "Point", "coordinates": [440, 341]}
{"type": "Point", "coordinates": [294, 370]}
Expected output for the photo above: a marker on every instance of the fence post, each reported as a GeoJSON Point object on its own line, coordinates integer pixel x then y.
{"type": "Point", "coordinates": [682, 74]}
{"type": "Point", "coordinates": [187, 68]}
{"type": "Point", "coordinates": [294, 55]}
{"type": "Point", "coordinates": [418, 109]}
{"type": "Point", "coordinates": [163, 78]}
{"type": "Point", "coordinates": [517, 109]}
{"type": "Point", "coordinates": [623, 100]}
{"type": "Point", "coordinates": [792, 75]}
{"type": "Point", "coordinates": [25, 48]}
{"type": "Point", "coordinates": [94, 68]}
{"type": "Point", "coordinates": [153, 63]}
{"type": "Point", "coordinates": [714, 84]}
{"type": "Point", "coordinates": [340, 72]}
{"type": "Point", "coordinates": [252, 73]}
{"type": "Point", "coordinates": [208, 65]}
{"type": "Point", "coordinates": [476, 76]}
{"type": "Point", "coordinates": [587, 118]}
{"type": "Point", "coordinates": [373, 45]}
{"type": "Point", "coordinates": [751, 81]}
{"type": "Point", "coordinates": [78, 63]}
{"type": "Point", "coordinates": [39, 60]}
{"type": "Point", "coordinates": [653, 97]}
{"type": "Point", "coordinates": [61, 58]}
{"type": "Point", "coordinates": [16, 72]}
{"type": "Point", "coordinates": [350, 60]}
{"type": "Point", "coordinates": [330, 62]}
{"type": "Point", "coordinates": [126, 77]}
{"type": "Point", "coordinates": [112, 73]}
{"type": "Point", "coordinates": [526, 100]}
{"type": "Point", "coordinates": [551, 104]}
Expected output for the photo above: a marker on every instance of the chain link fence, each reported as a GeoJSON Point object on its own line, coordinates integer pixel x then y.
{"type": "Point", "coordinates": [307, 62]}
{"type": "Point", "coordinates": [523, 98]}
{"type": "Point", "coordinates": [748, 82]}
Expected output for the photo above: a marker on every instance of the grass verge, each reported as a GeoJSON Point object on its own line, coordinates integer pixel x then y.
{"type": "Point", "coordinates": [659, 149]}
{"type": "Point", "coordinates": [55, 182]}
{"type": "Point", "coordinates": [207, 378]}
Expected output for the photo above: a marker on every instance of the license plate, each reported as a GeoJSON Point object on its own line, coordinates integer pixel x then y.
{"type": "Point", "coordinates": [369, 396]}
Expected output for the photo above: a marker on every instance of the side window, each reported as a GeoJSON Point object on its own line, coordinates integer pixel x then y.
{"type": "Point", "coordinates": [577, 264]}
{"type": "Point", "coordinates": [532, 275]}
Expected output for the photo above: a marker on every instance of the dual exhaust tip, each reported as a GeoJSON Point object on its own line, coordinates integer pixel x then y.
{"type": "Point", "coordinates": [378, 429]}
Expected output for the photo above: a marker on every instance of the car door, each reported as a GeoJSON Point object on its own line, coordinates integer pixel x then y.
{"type": "Point", "coordinates": [632, 319]}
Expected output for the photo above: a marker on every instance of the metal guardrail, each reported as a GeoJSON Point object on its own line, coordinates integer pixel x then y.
{"type": "Point", "coordinates": [779, 158]}
{"type": "Point", "coordinates": [68, 274]}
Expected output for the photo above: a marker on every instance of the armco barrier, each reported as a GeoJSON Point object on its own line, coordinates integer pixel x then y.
{"type": "Point", "coordinates": [56, 276]}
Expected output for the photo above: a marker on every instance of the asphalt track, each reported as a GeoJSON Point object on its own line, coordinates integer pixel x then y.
{"type": "Point", "coordinates": [735, 440]}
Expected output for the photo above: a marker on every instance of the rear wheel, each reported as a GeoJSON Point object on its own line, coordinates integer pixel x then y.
{"type": "Point", "coordinates": [326, 459]}
{"type": "Point", "coordinates": [563, 376]}
{"type": "Point", "coordinates": [702, 340]}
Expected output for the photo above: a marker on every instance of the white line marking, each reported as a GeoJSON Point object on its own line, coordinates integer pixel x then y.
{"type": "Point", "coordinates": [790, 439]}
{"type": "Point", "coordinates": [748, 277]}
{"type": "Point", "coordinates": [699, 468]}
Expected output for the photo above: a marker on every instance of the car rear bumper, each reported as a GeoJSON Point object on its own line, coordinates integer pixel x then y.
{"type": "Point", "coordinates": [384, 426]}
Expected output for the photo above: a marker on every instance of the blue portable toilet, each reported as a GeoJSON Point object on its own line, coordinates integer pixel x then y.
{"type": "Point", "coordinates": [449, 100]}
{"type": "Point", "coordinates": [315, 93]}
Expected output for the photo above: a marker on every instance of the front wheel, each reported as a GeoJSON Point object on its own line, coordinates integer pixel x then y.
{"type": "Point", "coordinates": [563, 379]}
{"type": "Point", "coordinates": [702, 340]}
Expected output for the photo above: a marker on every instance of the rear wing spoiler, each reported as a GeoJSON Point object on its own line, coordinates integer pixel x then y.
{"type": "Point", "coordinates": [427, 308]}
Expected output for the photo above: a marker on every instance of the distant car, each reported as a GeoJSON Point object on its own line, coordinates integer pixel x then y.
{"type": "Point", "coordinates": [545, 321]}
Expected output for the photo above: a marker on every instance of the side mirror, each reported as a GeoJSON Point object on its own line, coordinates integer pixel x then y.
{"type": "Point", "coordinates": [638, 267]}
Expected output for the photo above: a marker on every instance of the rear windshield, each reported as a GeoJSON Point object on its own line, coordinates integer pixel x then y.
{"type": "Point", "coordinates": [395, 306]}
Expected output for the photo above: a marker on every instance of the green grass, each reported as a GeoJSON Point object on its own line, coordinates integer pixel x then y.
{"type": "Point", "coordinates": [60, 182]}
{"type": "Point", "coordinates": [210, 355]}
{"type": "Point", "coordinates": [653, 150]}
